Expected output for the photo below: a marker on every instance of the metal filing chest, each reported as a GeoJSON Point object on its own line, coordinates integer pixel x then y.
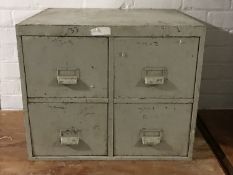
{"type": "Point", "coordinates": [110, 84]}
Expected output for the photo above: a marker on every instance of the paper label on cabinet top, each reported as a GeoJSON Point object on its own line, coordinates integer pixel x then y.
{"type": "Point", "coordinates": [101, 31]}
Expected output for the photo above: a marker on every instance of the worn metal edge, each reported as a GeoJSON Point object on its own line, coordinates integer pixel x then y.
{"type": "Point", "coordinates": [110, 158]}
{"type": "Point", "coordinates": [110, 95]}
{"type": "Point", "coordinates": [152, 100]}
{"type": "Point", "coordinates": [126, 31]}
{"type": "Point", "coordinates": [66, 100]}
{"type": "Point", "coordinates": [196, 92]}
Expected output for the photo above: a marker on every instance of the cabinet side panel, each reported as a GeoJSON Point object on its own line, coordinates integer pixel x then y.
{"type": "Point", "coordinates": [24, 95]}
{"type": "Point", "coordinates": [196, 91]}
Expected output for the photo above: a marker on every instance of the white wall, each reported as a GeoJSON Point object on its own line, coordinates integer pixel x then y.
{"type": "Point", "coordinates": [217, 84]}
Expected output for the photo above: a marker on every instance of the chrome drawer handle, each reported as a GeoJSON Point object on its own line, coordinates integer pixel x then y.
{"type": "Point", "coordinates": [67, 76]}
{"type": "Point", "coordinates": [152, 80]}
{"type": "Point", "coordinates": [151, 137]}
{"type": "Point", "coordinates": [155, 75]}
{"type": "Point", "coordinates": [69, 137]}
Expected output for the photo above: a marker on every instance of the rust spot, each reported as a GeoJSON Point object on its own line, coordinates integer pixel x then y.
{"type": "Point", "coordinates": [89, 114]}
{"type": "Point", "coordinates": [72, 30]}
{"type": "Point", "coordinates": [57, 107]}
{"type": "Point", "coordinates": [178, 29]}
{"type": "Point", "coordinates": [153, 43]}
{"type": "Point", "coordinates": [144, 116]}
{"type": "Point", "coordinates": [96, 127]}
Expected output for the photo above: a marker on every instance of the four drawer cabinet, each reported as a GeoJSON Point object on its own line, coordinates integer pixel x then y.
{"type": "Point", "coordinates": [107, 84]}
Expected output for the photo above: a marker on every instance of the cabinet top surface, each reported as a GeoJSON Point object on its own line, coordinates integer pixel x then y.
{"type": "Point", "coordinates": [111, 17]}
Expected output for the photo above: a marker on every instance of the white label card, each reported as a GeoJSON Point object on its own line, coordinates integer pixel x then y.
{"type": "Point", "coordinates": [101, 31]}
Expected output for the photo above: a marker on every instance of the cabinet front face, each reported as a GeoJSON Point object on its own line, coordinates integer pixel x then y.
{"type": "Point", "coordinates": [155, 67]}
{"type": "Point", "coordinates": [68, 129]}
{"type": "Point", "coordinates": [139, 68]}
{"type": "Point", "coordinates": [66, 66]}
{"type": "Point", "coordinates": [151, 129]}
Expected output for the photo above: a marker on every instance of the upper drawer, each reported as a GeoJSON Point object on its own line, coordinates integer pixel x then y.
{"type": "Point", "coordinates": [66, 66]}
{"type": "Point", "coordinates": [155, 67]}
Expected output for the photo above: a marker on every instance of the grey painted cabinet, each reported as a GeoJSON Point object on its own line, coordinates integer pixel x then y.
{"type": "Point", "coordinates": [110, 84]}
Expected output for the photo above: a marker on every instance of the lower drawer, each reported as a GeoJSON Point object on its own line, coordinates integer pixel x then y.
{"type": "Point", "coordinates": [151, 129]}
{"type": "Point", "coordinates": [63, 129]}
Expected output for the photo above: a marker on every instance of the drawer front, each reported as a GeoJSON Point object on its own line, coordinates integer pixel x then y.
{"type": "Point", "coordinates": [66, 66]}
{"type": "Point", "coordinates": [155, 67]}
{"type": "Point", "coordinates": [68, 129]}
{"type": "Point", "coordinates": [151, 129]}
